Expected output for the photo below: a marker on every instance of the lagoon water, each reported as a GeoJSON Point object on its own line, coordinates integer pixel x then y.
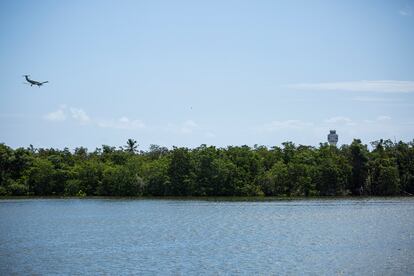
{"type": "Point", "coordinates": [192, 237]}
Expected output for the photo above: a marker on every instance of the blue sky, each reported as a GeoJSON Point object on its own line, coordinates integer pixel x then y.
{"type": "Point", "coordinates": [220, 73]}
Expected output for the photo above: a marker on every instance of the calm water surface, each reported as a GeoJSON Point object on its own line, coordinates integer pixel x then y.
{"type": "Point", "coordinates": [164, 237]}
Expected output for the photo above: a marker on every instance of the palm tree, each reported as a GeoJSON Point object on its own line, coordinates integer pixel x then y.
{"type": "Point", "coordinates": [131, 146]}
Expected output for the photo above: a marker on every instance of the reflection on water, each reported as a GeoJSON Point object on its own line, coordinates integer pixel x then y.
{"type": "Point", "coordinates": [104, 236]}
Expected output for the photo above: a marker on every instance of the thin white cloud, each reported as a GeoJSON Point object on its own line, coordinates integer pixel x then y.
{"type": "Point", "coordinates": [383, 118]}
{"type": "Point", "coordinates": [122, 123]}
{"type": "Point", "coordinates": [56, 116]}
{"type": "Point", "coordinates": [376, 100]}
{"type": "Point", "coordinates": [385, 86]}
{"type": "Point", "coordinates": [80, 115]}
{"type": "Point", "coordinates": [406, 11]}
{"type": "Point", "coordinates": [283, 125]}
{"type": "Point", "coordinates": [340, 120]}
{"type": "Point", "coordinates": [380, 123]}
{"type": "Point", "coordinates": [374, 128]}
{"type": "Point", "coordinates": [188, 127]}
{"type": "Point", "coordinates": [382, 126]}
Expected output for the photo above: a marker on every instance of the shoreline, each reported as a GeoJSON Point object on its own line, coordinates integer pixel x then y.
{"type": "Point", "coordinates": [208, 198]}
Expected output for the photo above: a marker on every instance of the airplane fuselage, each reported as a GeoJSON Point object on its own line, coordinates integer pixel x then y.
{"type": "Point", "coordinates": [33, 82]}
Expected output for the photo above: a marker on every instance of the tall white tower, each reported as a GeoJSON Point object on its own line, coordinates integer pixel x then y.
{"type": "Point", "coordinates": [332, 138]}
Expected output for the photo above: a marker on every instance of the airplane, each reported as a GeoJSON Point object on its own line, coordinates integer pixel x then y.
{"type": "Point", "coordinates": [33, 82]}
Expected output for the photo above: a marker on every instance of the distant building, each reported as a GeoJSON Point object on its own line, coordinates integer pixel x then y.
{"type": "Point", "coordinates": [332, 138]}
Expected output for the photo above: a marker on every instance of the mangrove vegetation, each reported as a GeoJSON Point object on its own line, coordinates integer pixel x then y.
{"type": "Point", "coordinates": [289, 170]}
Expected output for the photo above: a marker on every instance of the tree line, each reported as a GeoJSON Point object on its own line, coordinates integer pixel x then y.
{"type": "Point", "coordinates": [289, 170]}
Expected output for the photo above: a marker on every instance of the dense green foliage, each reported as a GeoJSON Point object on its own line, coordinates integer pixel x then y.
{"type": "Point", "coordinates": [289, 170]}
